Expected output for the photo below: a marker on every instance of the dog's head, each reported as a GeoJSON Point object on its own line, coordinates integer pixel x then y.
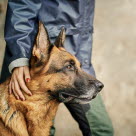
{"type": "Point", "coordinates": [59, 73]}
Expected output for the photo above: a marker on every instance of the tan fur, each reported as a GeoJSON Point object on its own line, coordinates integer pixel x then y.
{"type": "Point", "coordinates": [34, 116]}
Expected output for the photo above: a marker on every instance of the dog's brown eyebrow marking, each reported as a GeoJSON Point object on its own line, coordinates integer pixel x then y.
{"type": "Point", "coordinates": [71, 61]}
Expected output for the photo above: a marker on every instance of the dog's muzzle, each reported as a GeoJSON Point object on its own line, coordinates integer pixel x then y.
{"type": "Point", "coordinates": [69, 98]}
{"type": "Point", "coordinates": [85, 96]}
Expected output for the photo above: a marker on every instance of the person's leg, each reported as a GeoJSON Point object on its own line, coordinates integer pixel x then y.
{"type": "Point", "coordinates": [92, 118]}
{"type": "Point", "coordinates": [78, 112]}
{"type": "Point", "coordinates": [98, 118]}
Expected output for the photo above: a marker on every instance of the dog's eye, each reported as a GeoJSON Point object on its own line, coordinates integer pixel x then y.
{"type": "Point", "coordinates": [70, 67]}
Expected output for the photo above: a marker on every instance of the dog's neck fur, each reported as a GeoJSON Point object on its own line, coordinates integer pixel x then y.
{"type": "Point", "coordinates": [37, 113]}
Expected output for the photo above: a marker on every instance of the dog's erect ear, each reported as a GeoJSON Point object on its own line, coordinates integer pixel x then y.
{"type": "Point", "coordinates": [61, 38]}
{"type": "Point", "coordinates": [42, 44]}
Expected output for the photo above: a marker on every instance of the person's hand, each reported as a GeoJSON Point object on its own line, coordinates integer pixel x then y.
{"type": "Point", "coordinates": [19, 77]}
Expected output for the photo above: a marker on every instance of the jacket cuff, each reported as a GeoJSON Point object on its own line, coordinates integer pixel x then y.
{"type": "Point", "coordinates": [18, 63]}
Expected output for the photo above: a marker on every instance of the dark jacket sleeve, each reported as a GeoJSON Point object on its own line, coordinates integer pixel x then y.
{"type": "Point", "coordinates": [20, 30]}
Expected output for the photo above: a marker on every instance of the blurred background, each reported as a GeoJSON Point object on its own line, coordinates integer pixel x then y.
{"type": "Point", "coordinates": [114, 59]}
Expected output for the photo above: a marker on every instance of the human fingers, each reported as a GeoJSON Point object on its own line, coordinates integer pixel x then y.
{"type": "Point", "coordinates": [13, 90]}
{"type": "Point", "coordinates": [22, 83]}
{"type": "Point", "coordinates": [27, 74]}
{"type": "Point", "coordinates": [9, 87]}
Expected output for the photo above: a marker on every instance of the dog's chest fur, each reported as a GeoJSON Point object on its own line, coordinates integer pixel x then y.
{"type": "Point", "coordinates": [29, 118]}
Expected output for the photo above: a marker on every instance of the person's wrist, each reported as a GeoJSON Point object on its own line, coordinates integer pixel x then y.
{"type": "Point", "coordinates": [18, 63]}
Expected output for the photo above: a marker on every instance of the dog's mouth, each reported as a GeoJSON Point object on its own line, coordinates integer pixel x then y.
{"type": "Point", "coordinates": [74, 96]}
{"type": "Point", "coordinates": [70, 98]}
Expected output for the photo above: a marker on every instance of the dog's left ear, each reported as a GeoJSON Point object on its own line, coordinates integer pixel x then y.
{"type": "Point", "coordinates": [42, 45]}
{"type": "Point", "coordinates": [41, 50]}
{"type": "Point", "coordinates": [61, 38]}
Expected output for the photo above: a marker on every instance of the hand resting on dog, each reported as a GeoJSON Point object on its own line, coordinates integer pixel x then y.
{"type": "Point", "coordinates": [19, 77]}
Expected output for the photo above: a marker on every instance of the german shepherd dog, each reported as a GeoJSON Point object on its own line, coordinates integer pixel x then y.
{"type": "Point", "coordinates": [56, 76]}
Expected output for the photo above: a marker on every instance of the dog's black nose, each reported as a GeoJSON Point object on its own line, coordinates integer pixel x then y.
{"type": "Point", "coordinates": [99, 85]}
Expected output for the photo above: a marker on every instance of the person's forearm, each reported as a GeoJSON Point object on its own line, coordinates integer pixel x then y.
{"type": "Point", "coordinates": [20, 30]}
